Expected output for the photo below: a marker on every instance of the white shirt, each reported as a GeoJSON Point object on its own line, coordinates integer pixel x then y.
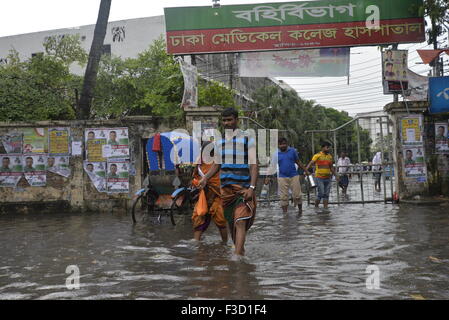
{"type": "Point", "coordinates": [342, 163]}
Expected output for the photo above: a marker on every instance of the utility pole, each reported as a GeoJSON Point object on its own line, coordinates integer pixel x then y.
{"type": "Point", "coordinates": [395, 95]}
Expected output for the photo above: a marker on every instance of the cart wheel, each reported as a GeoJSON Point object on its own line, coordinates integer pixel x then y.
{"type": "Point", "coordinates": [172, 208]}
{"type": "Point", "coordinates": [140, 215]}
{"type": "Point", "coordinates": [182, 198]}
{"type": "Point", "coordinates": [135, 215]}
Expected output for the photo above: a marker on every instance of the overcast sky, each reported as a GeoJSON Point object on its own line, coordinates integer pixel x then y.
{"type": "Point", "coordinates": [364, 94]}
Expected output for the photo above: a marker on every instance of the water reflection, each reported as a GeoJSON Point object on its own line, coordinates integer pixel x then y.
{"type": "Point", "coordinates": [316, 255]}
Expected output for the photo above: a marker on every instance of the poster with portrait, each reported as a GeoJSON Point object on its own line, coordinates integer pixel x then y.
{"type": "Point", "coordinates": [414, 164]}
{"type": "Point", "coordinates": [411, 127]}
{"type": "Point", "coordinates": [106, 143]}
{"type": "Point", "coordinates": [441, 137]}
{"type": "Point", "coordinates": [395, 65]}
{"type": "Point", "coordinates": [118, 144]}
{"type": "Point", "coordinates": [94, 141]}
{"type": "Point", "coordinates": [12, 142]}
{"type": "Point", "coordinates": [97, 174]}
{"type": "Point", "coordinates": [11, 170]}
{"type": "Point", "coordinates": [118, 177]}
{"type": "Point", "coordinates": [59, 141]}
{"type": "Point", "coordinates": [34, 168]}
{"type": "Point", "coordinates": [59, 165]}
{"type": "Point", "coordinates": [35, 140]}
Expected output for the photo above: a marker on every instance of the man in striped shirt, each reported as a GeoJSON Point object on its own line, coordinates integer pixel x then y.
{"type": "Point", "coordinates": [238, 176]}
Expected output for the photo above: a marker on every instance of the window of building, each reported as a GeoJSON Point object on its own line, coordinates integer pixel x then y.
{"type": "Point", "coordinates": [107, 49]}
{"type": "Point", "coordinates": [37, 54]}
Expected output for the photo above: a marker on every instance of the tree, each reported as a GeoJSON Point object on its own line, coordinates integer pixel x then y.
{"type": "Point", "coordinates": [215, 93]}
{"type": "Point", "coordinates": [96, 50]}
{"type": "Point", "coordinates": [41, 88]}
{"type": "Point", "coordinates": [438, 13]}
{"type": "Point", "coordinates": [151, 84]}
{"type": "Point", "coordinates": [294, 116]}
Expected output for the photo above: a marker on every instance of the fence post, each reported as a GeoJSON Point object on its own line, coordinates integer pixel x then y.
{"type": "Point", "coordinates": [390, 159]}
{"type": "Point", "coordinates": [336, 166]}
{"type": "Point", "coordinates": [313, 144]}
{"type": "Point", "coordinates": [360, 160]}
{"type": "Point", "coordinates": [383, 159]}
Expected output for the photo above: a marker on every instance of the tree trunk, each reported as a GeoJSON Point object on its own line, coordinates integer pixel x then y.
{"type": "Point", "coordinates": [96, 50]}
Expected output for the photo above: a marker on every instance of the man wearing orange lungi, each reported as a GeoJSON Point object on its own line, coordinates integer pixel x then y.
{"type": "Point", "coordinates": [201, 218]}
{"type": "Point", "coordinates": [238, 177]}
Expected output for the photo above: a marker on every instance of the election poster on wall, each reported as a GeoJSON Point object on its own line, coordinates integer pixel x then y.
{"type": "Point", "coordinates": [106, 143]}
{"type": "Point", "coordinates": [59, 141]}
{"type": "Point", "coordinates": [118, 177]}
{"type": "Point", "coordinates": [118, 140]}
{"type": "Point", "coordinates": [441, 137]}
{"type": "Point", "coordinates": [411, 127]}
{"type": "Point", "coordinates": [35, 169]}
{"type": "Point", "coordinates": [97, 174]}
{"type": "Point", "coordinates": [35, 140]}
{"type": "Point", "coordinates": [11, 170]}
{"type": "Point", "coordinates": [12, 142]}
{"type": "Point", "coordinates": [59, 165]}
{"type": "Point", "coordinates": [94, 141]}
{"type": "Point", "coordinates": [325, 62]}
{"type": "Point", "coordinates": [414, 164]}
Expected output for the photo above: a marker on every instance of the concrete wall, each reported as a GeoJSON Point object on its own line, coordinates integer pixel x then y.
{"type": "Point", "coordinates": [77, 191]}
{"type": "Point", "coordinates": [136, 35]}
{"type": "Point", "coordinates": [437, 164]}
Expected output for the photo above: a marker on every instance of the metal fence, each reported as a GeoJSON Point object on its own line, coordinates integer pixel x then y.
{"type": "Point", "coordinates": [360, 138]}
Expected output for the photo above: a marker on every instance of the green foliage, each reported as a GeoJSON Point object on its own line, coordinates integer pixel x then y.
{"type": "Point", "coordinates": [215, 93]}
{"type": "Point", "coordinates": [294, 116]}
{"type": "Point", "coordinates": [151, 84]}
{"type": "Point", "coordinates": [43, 88]}
{"type": "Point", "coordinates": [438, 13]}
{"type": "Point", "coordinates": [66, 49]}
{"type": "Point", "coordinates": [38, 89]}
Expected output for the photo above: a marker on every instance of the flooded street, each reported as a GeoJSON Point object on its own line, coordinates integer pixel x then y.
{"type": "Point", "coordinates": [315, 256]}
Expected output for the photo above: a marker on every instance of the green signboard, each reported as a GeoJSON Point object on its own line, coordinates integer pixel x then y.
{"type": "Point", "coordinates": [287, 25]}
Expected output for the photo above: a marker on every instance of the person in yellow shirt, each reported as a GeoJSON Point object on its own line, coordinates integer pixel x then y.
{"type": "Point", "coordinates": [324, 169]}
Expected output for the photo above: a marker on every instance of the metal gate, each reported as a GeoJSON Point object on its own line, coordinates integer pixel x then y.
{"type": "Point", "coordinates": [361, 139]}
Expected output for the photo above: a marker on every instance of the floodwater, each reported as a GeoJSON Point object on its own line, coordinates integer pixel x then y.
{"type": "Point", "coordinates": [314, 256]}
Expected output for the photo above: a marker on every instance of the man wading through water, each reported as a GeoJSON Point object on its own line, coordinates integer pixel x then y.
{"type": "Point", "coordinates": [323, 173]}
{"type": "Point", "coordinates": [238, 175]}
{"type": "Point", "coordinates": [288, 176]}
